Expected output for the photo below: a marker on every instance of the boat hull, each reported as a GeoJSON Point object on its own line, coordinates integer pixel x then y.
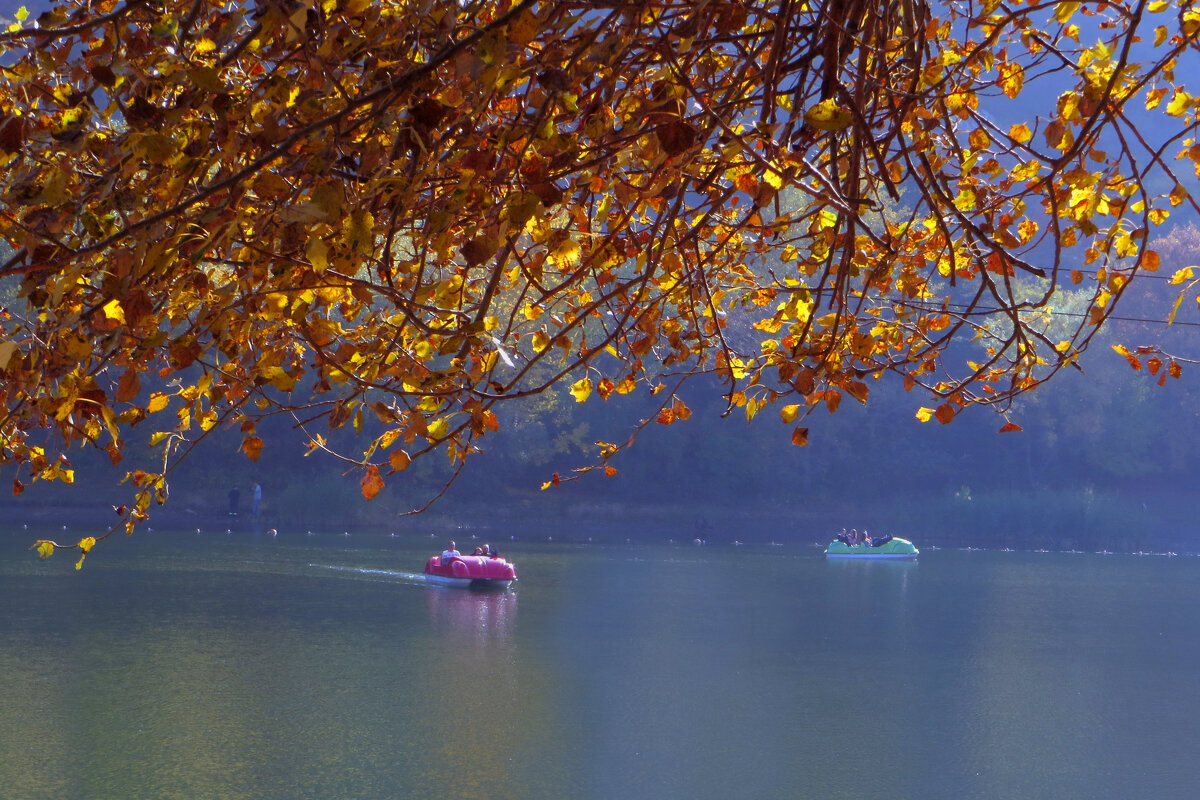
{"type": "Point", "coordinates": [477, 584]}
{"type": "Point", "coordinates": [894, 549]}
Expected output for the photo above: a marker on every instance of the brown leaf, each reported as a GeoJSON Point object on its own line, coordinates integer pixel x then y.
{"type": "Point", "coordinates": [12, 134]}
{"type": "Point", "coordinates": [676, 137]}
{"type": "Point", "coordinates": [129, 386]}
{"type": "Point", "coordinates": [805, 381]}
{"type": "Point", "coordinates": [478, 250]}
{"type": "Point", "coordinates": [800, 437]}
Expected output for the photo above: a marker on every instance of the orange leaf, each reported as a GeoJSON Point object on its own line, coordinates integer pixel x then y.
{"type": "Point", "coordinates": [858, 390]}
{"type": "Point", "coordinates": [18, 487]}
{"type": "Point", "coordinates": [372, 482]}
{"type": "Point", "coordinates": [1010, 427]}
{"type": "Point", "coordinates": [399, 460]}
{"type": "Point", "coordinates": [944, 413]}
{"type": "Point", "coordinates": [252, 446]}
{"type": "Point", "coordinates": [800, 437]}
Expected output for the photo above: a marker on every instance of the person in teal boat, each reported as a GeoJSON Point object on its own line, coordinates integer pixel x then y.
{"type": "Point", "coordinates": [854, 538]}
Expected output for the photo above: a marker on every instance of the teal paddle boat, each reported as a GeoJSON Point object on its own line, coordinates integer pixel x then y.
{"type": "Point", "coordinates": [883, 547]}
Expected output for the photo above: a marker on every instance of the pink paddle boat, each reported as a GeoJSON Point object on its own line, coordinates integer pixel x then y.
{"type": "Point", "coordinates": [471, 572]}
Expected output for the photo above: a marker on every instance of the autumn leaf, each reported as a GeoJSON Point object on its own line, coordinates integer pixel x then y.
{"type": "Point", "coordinates": [372, 483]}
{"type": "Point", "coordinates": [1182, 276]}
{"type": "Point", "coordinates": [252, 446]}
{"type": "Point", "coordinates": [581, 389]}
{"type": "Point", "coordinates": [828, 115]}
{"type": "Point", "coordinates": [129, 386]}
{"type": "Point", "coordinates": [1011, 80]}
{"type": "Point", "coordinates": [800, 437]}
{"type": "Point", "coordinates": [7, 349]}
{"type": "Point", "coordinates": [399, 460]}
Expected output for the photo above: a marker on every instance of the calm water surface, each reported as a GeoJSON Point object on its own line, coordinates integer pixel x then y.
{"type": "Point", "coordinates": [184, 666]}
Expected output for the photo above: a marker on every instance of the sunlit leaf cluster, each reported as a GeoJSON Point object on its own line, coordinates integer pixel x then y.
{"type": "Point", "coordinates": [395, 216]}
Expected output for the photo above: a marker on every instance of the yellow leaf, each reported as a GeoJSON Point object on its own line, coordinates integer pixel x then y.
{"type": "Point", "coordinates": [1182, 275]}
{"type": "Point", "coordinates": [827, 115]}
{"type": "Point", "coordinates": [45, 549]}
{"type": "Point", "coordinates": [113, 310]}
{"type": "Point", "coordinates": [788, 413]}
{"type": "Point", "coordinates": [158, 401]}
{"type": "Point", "coordinates": [1011, 79]}
{"type": "Point", "coordinates": [1064, 11]}
{"type": "Point", "coordinates": [581, 389]}
{"type": "Point", "coordinates": [566, 254]}
{"type": "Point", "coordinates": [87, 543]}
{"type": "Point", "coordinates": [1020, 133]}
{"type": "Point", "coordinates": [438, 428]}
{"type": "Point", "coordinates": [1179, 104]}
{"type": "Point", "coordinates": [924, 414]}
{"type": "Point", "coordinates": [318, 254]}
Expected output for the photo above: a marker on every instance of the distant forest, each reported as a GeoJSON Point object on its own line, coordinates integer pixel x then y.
{"type": "Point", "coordinates": [1106, 459]}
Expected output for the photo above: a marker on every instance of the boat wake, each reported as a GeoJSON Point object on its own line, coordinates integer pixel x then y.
{"type": "Point", "coordinates": [407, 577]}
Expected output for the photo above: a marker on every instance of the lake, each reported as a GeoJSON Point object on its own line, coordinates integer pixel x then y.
{"type": "Point", "coordinates": [178, 665]}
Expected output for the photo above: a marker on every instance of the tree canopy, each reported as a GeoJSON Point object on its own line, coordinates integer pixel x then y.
{"type": "Point", "coordinates": [398, 216]}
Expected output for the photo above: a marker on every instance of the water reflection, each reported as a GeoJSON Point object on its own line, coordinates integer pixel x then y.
{"type": "Point", "coordinates": [480, 615]}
